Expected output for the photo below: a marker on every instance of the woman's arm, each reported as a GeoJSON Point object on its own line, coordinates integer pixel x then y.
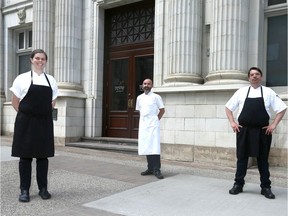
{"type": "Point", "coordinates": [15, 102]}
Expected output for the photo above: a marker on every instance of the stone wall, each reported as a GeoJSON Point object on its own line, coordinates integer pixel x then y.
{"type": "Point", "coordinates": [195, 128]}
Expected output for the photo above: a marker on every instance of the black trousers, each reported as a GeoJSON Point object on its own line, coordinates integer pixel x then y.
{"type": "Point", "coordinates": [154, 163]}
{"type": "Point", "coordinates": [25, 171]}
{"type": "Point", "coordinates": [263, 167]}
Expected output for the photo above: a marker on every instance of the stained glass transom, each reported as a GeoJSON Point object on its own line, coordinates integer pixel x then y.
{"type": "Point", "coordinates": [132, 26]}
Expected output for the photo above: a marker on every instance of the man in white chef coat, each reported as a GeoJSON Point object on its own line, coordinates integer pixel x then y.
{"type": "Point", "coordinates": [151, 109]}
{"type": "Point", "coordinates": [253, 129]}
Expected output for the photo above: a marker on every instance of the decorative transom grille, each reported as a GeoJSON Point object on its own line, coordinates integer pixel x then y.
{"type": "Point", "coordinates": [132, 26]}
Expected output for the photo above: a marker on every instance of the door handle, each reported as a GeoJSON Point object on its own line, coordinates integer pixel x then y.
{"type": "Point", "coordinates": [130, 104]}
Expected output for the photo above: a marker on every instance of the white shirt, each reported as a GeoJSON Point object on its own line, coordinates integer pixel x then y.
{"type": "Point", "coordinates": [151, 106]}
{"type": "Point", "coordinates": [22, 83]}
{"type": "Point", "coordinates": [271, 99]}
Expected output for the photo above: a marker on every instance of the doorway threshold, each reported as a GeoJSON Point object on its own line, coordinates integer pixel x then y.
{"type": "Point", "coordinates": [124, 145]}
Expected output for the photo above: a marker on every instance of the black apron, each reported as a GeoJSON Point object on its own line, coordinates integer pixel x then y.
{"type": "Point", "coordinates": [33, 130]}
{"type": "Point", "coordinates": [252, 140]}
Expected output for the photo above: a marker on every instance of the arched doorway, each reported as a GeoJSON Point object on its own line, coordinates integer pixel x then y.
{"type": "Point", "coordinates": [129, 59]}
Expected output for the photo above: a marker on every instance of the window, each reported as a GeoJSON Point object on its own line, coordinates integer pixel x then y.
{"type": "Point", "coordinates": [24, 63]}
{"type": "Point", "coordinates": [30, 39]}
{"type": "Point", "coordinates": [21, 41]}
{"type": "Point", "coordinates": [24, 39]}
{"type": "Point", "coordinates": [276, 57]}
{"type": "Point", "coordinates": [24, 50]}
{"type": "Point", "coordinates": [274, 2]}
{"type": "Point", "coordinates": [277, 51]}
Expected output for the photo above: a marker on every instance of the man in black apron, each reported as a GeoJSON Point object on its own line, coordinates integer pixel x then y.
{"type": "Point", "coordinates": [33, 130]}
{"type": "Point", "coordinates": [254, 134]}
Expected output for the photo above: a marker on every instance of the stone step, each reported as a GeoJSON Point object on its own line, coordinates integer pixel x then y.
{"type": "Point", "coordinates": [108, 144]}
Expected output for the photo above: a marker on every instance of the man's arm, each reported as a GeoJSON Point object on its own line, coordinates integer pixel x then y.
{"type": "Point", "coordinates": [273, 125]}
{"type": "Point", "coordinates": [161, 113]}
{"type": "Point", "coordinates": [230, 117]}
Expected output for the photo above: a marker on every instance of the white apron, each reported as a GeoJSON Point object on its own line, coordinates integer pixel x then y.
{"type": "Point", "coordinates": [149, 124]}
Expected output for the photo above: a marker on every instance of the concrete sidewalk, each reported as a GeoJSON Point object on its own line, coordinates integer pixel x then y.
{"type": "Point", "coordinates": [89, 182]}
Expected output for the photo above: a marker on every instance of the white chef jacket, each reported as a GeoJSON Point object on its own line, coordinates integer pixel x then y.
{"type": "Point", "coordinates": [271, 99]}
{"type": "Point", "coordinates": [22, 83]}
{"type": "Point", "coordinates": [149, 124]}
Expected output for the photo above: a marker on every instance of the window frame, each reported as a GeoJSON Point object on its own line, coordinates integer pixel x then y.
{"type": "Point", "coordinates": [272, 11]}
{"type": "Point", "coordinates": [27, 49]}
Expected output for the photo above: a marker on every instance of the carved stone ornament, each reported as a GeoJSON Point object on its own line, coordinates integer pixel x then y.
{"type": "Point", "coordinates": [21, 15]}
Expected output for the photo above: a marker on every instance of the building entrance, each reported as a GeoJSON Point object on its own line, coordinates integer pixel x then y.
{"type": "Point", "coordinates": [129, 60]}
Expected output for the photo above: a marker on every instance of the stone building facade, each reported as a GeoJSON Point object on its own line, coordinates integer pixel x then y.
{"type": "Point", "coordinates": [200, 51]}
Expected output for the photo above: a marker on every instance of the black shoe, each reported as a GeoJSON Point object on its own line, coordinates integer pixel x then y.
{"type": "Point", "coordinates": [44, 194]}
{"type": "Point", "coordinates": [24, 196]}
{"type": "Point", "coordinates": [147, 172]}
{"type": "Point", "coordinates": [236, 189]}
{"type": "Point", "coordinates": [158, 174]}
{"type": "Point", "coordinates": [267, 193]}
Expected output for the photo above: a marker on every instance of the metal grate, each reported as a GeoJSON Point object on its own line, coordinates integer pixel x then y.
{"type": "Point", "coordinates": [132, 27]}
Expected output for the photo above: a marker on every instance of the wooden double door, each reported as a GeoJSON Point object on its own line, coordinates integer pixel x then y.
{"type": "Point", "coordinates": [125, 73]}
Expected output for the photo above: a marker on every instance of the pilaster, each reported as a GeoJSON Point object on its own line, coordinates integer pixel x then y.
{"type": "Point", "coordinates": [2, 93]}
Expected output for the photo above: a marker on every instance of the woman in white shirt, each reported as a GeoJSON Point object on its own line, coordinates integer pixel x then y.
{"type": "Point", "coordinates": [34, 96]}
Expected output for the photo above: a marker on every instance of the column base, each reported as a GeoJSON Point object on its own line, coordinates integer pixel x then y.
{"type": "Point", "coordinates": [183, 80]}
{"type": "Point", "coordinates": [70, 90]}
{"type": "Point", "coordinates": [70, 123]}
{"type": "Point", "coordinates": [226, 77]}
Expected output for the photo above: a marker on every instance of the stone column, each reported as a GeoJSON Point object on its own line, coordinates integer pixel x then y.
{"type": "Point", "coordinates": [68, 30]}
{"type": "Point", "coordinates": [68, 71]}
{"type": "Point", "coordinates": [229, 42]}
{"type": "Point", "coordinates": [43, 29]}
{"type": "Point", "coordinates": [184, 46]}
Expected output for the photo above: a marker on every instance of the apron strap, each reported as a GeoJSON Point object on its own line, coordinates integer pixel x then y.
{"type": "Point", "coordinates": [31, 77]}
{"type": "Point", "coordinates": [261, 92]}
{"type": "Point", "coordinates": [248, 92]}
{"type": "Point", "coordinates": [49, 82]}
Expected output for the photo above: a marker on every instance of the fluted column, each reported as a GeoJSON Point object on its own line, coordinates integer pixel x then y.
{"type": "Point", "coordinates": [229, 42]}
{"type": "Point", "coordinates": [68, 30]}
{"type": "Point", "coordinates": [43, 29]}
{"type": "Point", "coordinates": [184, 48]}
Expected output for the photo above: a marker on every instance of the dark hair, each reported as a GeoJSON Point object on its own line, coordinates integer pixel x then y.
{"type": "Point", "coordinates": [34, 52]}
{"type": "Point", "coordinates": [255, 68]}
